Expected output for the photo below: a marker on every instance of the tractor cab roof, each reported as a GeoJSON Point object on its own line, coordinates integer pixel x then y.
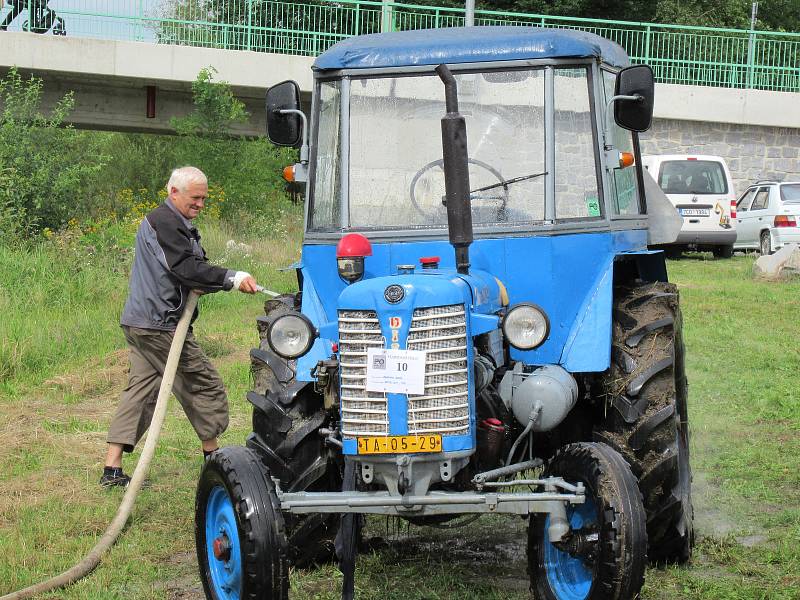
{"type": "Point", "coordinates": [467, 45]}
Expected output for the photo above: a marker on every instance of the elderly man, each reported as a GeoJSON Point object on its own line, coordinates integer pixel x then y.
{"type": "Point", "coordinates": [169, 263]}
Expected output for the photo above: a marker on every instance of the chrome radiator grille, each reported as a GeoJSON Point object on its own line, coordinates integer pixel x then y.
{"type": "Point", "coordinates": [441, 332]}
{"type": "Point", "coordinates": [444, 407]}
{"type": "Point", "coordinates": [363, 412]}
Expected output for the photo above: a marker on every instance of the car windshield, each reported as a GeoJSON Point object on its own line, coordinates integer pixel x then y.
{"type": "Point", "coordinates": [790, 192]}
{"type": "Point", "coordinates": [692, 177]}
{"type": "Point", "coordinates": [394, 160]}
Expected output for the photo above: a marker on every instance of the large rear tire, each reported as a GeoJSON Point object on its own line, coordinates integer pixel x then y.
{"type": "Point", "coordinates": [287, 417]}
{"type": "Point", "coordinates": [608, 556]}
{"type": "Point", "coordinates": [239, 531]}
{"type": "Point", "coordinates": [646, 417]}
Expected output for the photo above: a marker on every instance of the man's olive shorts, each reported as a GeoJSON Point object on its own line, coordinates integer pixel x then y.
{"type": "Point", "coordinates": [197, 386]}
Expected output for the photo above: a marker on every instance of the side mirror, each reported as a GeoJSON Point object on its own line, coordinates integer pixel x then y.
{"type": "Point", "coordinates": [284, 129]}
{"type": "Point", "coordinates": [633, 107]}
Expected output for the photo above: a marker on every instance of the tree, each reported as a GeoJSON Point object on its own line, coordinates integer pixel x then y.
{"type": "Point", "coordinates": [248, 169]}
{"type": "Point", "coordinates": [778, 15]}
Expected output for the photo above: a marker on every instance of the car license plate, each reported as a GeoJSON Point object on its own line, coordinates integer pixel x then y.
{"type": "Point", "coordinates": [695, 212]}
{"type": "Point", "coordinates": [400, 444]}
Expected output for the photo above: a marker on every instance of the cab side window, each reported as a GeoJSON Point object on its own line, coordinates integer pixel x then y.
{"type": "Point", "coordinates": [623, 183]}
{"type": "Point", "coordinates": [761, 199]}
{"type": "Point", "coordinates": [743, 205]}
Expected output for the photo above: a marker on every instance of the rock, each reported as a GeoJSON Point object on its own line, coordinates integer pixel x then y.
{"type": "Point", "coordinates": [781, 265]}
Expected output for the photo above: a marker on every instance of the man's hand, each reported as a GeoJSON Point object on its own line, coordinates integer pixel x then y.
{"type": "Point", "coordinates": [248, 285]}
{"type": "Point", "coordinates": [244, 282]}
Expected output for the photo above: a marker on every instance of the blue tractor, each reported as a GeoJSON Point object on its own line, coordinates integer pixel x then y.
{"type": "Point", "coordinates": [480, 326]}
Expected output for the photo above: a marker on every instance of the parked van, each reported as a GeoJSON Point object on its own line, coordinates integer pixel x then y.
{"type": "Point", "coordinates": [701, 189]}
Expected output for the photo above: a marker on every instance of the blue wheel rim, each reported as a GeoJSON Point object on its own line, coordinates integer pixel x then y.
{"type": "Point", "coordinates": [569, 577]}
{"type": "Point", "coordinates": [225, 573]}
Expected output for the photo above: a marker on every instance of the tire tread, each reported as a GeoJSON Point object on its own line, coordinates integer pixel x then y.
{"type": "Point", "coordinates": [645, 420]}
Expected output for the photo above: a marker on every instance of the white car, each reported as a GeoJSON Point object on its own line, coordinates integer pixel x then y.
{"type": "Point", "coordinates": [768, 214]}
{"type": "Point", "coordinates": [701, 189]}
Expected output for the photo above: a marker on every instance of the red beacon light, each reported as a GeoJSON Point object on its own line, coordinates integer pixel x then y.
{"type": "Point", "coordinates": [350, 253]}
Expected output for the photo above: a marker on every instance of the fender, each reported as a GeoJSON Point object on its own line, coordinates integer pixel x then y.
{"type": "Point", "coordinates": [588, 346]}
{"type": "Point", "coordinates": [647, 265]}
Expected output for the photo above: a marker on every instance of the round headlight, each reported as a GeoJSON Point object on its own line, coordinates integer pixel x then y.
{"type": "Point", "coordinates": [291, 335]}
{"type": "Point", "coordinates": [526, 326]}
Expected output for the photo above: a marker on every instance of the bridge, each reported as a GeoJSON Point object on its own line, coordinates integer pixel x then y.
{"type": "Point", "coordinates": [131, 64]}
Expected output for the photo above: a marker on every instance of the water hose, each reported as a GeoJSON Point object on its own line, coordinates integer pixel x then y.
{"type": "Point", "coordinates": [92, 559]}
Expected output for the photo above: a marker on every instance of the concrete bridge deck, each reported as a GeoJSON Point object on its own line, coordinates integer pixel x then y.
{"type": "Point", "coordinates": [110, 78]}
{"type": "Point", "coordinates": [110, 81]}
{"type": "Point", "coordinates": [757, 131]}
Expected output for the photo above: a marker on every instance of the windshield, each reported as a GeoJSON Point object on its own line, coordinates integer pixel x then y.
{"type": "Point", "coordinates": [790, 192]}
{"type": "Point", "coordinates": [396, 180]}
{"type": "Point", "coordinates": [692, 177]}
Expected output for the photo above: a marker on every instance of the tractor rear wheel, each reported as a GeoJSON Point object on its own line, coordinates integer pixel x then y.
{"type": "Point", "coordinates": [287, 417]}
{"type": "Point", "coordinates": [239, 530]}
{"type": "Point", "coordinates": [646, 416]}
{"type": "Point", "coordinates": [605, 555]}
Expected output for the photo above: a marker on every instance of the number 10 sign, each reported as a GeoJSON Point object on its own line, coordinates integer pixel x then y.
{"type": "Point", "coordinates": [396, 371]}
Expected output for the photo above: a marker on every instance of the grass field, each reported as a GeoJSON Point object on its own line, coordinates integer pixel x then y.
{"type": "Point", "coordinates": [65, 364]}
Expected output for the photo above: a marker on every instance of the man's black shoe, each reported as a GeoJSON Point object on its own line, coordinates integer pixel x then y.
{"type": "Point", "coordinates": [114, 476]}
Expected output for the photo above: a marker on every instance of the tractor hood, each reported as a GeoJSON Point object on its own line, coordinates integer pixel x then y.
{"type": "Point", "coordinates": [397, 296]}
{"type": "Point", "coordinates": [569, 276]}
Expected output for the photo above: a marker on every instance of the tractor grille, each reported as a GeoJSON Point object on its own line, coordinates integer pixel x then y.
{"type": "Point", "coordinates": [441, 331]}
{"type": "Point", "coordinates": [444, 408]}
{"type": "Point", "coordinates": [363, 412]}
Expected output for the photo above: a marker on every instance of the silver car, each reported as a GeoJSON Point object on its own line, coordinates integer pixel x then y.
{"type": "Point", "coordinates": [768, 215]}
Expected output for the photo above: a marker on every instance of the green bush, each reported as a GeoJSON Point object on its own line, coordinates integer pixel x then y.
{"type": "Point", "coordinates": [51, 174]}
{"type": "Point", "coordinates": [45, 166]}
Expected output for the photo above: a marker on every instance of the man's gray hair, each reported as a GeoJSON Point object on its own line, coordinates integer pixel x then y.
{"type": "Point", "coordinates": [183, 176]}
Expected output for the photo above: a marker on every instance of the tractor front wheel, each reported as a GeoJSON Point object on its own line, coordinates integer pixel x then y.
{"type": "Point", "coordinates": [605, 554]}
{"type": "Point", "coordinates": [241, 546]}
{"type": "Point", "coordinates": [287, 418]}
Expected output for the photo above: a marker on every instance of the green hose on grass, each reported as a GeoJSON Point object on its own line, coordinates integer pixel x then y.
{"type": "Point", "coordinates": [92, 559]}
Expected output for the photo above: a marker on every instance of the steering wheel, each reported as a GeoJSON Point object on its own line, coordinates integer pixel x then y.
{"type": "Point", "coordinates": [498, 193]}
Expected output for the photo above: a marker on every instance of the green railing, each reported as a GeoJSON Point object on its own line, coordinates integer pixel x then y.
{"type": "Point", "coordinates": [678, 54]}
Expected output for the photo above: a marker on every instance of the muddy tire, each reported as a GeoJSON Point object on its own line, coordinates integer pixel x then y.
{"type": "Point", "coordinates": [239, 529]}
{"type": "Point", "coordinates": [287, 417]}
{"type": "Point", "coordinates": [646, 416]}
{"type": "Point", "coordinates": [610, 560]}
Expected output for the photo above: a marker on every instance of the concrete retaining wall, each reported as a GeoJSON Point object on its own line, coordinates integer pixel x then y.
{"type": "Point", "coordinates": [752, 152]}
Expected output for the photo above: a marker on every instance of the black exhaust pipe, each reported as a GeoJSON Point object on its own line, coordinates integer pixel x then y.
{"type": "Point", "coordinates": [456, 172]}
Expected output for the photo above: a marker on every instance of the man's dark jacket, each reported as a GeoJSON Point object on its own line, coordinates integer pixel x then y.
{"type": "Point", "coordinates": [169, 262]}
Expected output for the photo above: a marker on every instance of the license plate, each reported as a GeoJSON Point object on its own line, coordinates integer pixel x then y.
{"type": "Point", "coordinates": [400, 444]}
{"type": "Point", "coordinates": [695, 212]}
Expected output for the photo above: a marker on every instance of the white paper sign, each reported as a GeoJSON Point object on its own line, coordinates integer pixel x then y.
{"type": "Point", "coordinates": [396, 371]}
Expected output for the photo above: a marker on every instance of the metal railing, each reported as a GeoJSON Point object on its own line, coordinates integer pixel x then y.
{"type": "Point", "coordinates": [678, 54]}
